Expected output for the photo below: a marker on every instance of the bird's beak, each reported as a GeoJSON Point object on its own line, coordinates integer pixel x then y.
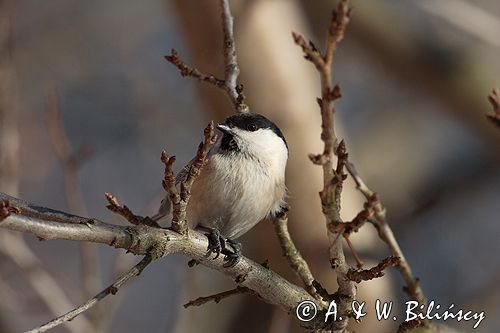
{"type": "Point", "coordinates": [224, 128]}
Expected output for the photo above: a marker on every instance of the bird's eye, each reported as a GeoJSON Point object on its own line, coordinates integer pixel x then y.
{"type": "Point", "coordinates": [252, 127]}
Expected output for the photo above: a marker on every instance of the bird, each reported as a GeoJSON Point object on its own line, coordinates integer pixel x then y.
{"type": "Point", "coordinates": [241, 183]}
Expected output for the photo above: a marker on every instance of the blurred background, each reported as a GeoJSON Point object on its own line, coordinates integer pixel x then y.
{"type": "Point", "coordinates": [414, 78]}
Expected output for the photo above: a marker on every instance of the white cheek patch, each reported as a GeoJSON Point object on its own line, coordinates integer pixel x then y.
{"type": "Point", "coordinates": [266, 147]}
{"type": "Point", "coordinates": [260, 141]}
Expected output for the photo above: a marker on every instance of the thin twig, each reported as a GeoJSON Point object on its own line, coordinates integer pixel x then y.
{"type": "Point", "coordinates": [120, 265]}
{"type": "Point", "coordinates": [124, 211]}
{"type": "Point", "coordinates": [494, 99]}
{"type": "Point", "coordinates": [218, 297]}
{"type": "Point", "coordinates": [185, 70]}
{"type": "Point", "coordinates": [6, 209]}
{"type": "Point", "coordinates": [385, 233]}
{"type": "Point", "coordinates": [332, 177]}
{"type": "Point", "coordinates": [374, 272]}
{"type": "Point", "coordinates": [347, 228]}
{"type": "Point", "coordinates": [231, 70]}
{"type": "Point", "coordinates": [409, 326]}
{"type": "Point", "coordinates": [180, 199]}
{"type": "Point", "coordinates": [295, 259]}
{"type": "Point", "coordinates": [355, 254]}
{"type": "Point", "coordinates": [15, 248]}
{"type": "Point", "coordinates": [112, 289]}
{"type": "Point", "coordinates": [168, 181]}
{"type": "Point", "coordinates": [199, 161]}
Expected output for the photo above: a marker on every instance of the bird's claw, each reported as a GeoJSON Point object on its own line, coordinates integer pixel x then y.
{"type": "Point", "coordinates": [232, 256]}
{"type": "Point", "coordinates": [216, 243]}
{"type": "Point", "coordinates": [229, 248]}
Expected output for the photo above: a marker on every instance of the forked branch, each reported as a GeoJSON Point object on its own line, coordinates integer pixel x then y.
{"type": "Point", "coordinates": [333, 175]}
{"type": "Point", "coordinates": [47, 224]}
{"type": "Point", "coordinates": [186, 178]}
{"type": "Point", "coordinates": [378, 219]}
{"type": "Point", "coordinates": [231, 69]}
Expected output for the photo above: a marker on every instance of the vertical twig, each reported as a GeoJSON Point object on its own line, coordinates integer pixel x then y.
{"type": "Point", "coordinates": [332, 177]}
{"type": "Point", "coordinates": [231, 69]}
{"type": "Point", "coordinates": [186, 178]}
{"type": "Point", "coordinates": [295, 259]}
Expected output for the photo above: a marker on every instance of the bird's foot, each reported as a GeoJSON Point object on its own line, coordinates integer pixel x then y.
{"type": "Point", "coordinates": [218, 244]}
{"type": "Point", "coordinates": [233, 255]}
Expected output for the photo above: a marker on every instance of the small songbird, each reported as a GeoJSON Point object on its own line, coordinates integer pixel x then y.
{"type": "Point", "coordinates": [242, 183]}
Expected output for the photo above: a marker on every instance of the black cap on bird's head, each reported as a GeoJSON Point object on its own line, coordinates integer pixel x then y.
{"type": "Point", "coordinates": [248, 122]}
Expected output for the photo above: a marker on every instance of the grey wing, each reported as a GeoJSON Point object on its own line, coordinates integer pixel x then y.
{"type": "Point", "coordinates": [182, 175]}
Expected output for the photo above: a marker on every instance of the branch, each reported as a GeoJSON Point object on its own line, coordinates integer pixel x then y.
{"type": "Point", "coordinates": [112, 289]}
{"type": "Point", "coordinates": [185, 70]}
{"type": "Point", "coordinates": [125, 212]}
{"type": "Point", "coordinates": [46, 224]}
{"type": "Point", "coordinates": [295, 259]}
{"type": "Point", "coordinates": [168, 183]}
{"type": "Point", "coordinates": [374, 272]}
{"type": "Point", "coordinates": [347, 228]}
{"type": "Point", "coordinates": [494, 99]}
{"type": "Point", "coordinates": [231, 69]}
{"type": "Point", "coordinates": [187, 177]}
{"type": "Point", "coordinates": [332, 177]}
{"type": "Point", "coordinates": [385, 233]}
{"type": "Point", "coordinates": [200, 159]}
{"type": "Point", "coordinates": [218, 297]}
{"type": "Point", "coordinates": [408, 326]}
{"type": "Point", "coordinates": [337, 182]}
{"type": "Point", "coordinates": [6, 209]}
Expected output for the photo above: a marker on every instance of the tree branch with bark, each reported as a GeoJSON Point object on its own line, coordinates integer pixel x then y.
{"type": "Point", "coordinates": [144, 237]}
{"type": "Point", "coordinates": [48, 224]}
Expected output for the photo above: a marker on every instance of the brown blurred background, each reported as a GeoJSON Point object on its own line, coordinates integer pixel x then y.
{"type": "Point", "coordinates": [414, 78]}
